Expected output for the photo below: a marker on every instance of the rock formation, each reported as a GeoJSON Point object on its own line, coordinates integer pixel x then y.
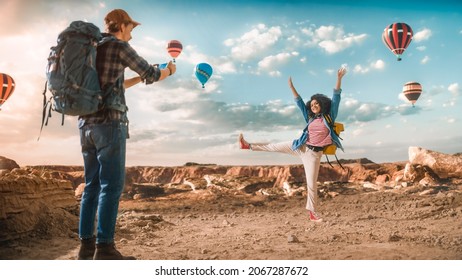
{"type": "Point", "coordinates": [43, 197]}
{"type": "Point", "coordinates": [7, 164]}
{"type": "Point", "coordinates": [28, 197]}
{"type": "Point", "coordinates": [443, 165]}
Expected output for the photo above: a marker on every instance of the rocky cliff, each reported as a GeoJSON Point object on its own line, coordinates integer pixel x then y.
{"type": "Point", "coordinates": [28, 197]}
{"type": "Point", "coordinates": [42, 198]}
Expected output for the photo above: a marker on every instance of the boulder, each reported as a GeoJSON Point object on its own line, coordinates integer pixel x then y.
{"type": "Point", "coordinates": [8, 164]}
{"type": "Point", "coordinates": [443, 165]}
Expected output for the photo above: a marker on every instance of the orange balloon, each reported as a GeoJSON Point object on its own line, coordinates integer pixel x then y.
{"type": "Point", "coordinates": [8, 86]}
{"type": "Point", "coordinates": [174, 48]}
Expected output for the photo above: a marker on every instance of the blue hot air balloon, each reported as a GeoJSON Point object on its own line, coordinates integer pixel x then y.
{"type": "Point", "coordinates": [203, 72]}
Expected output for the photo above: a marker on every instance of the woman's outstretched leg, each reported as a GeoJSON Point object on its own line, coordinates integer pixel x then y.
{"type": "Point", "coordinates": [282, 147]}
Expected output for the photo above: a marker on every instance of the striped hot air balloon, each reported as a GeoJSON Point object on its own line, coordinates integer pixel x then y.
{"type": "Point", "coordinates": [174, 48]}
{"type": "Point", "coordinates": [412, 91]}
{"type": "Point", "coordinates": [397, 37]}
{"type": "Point", "coordinates": [8, 86]}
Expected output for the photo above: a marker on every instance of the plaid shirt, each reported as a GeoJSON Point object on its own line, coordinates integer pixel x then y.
{"type": "Point", "coordinates": [112, 58]}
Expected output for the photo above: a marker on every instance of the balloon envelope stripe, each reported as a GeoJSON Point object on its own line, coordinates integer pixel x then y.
{"type": "Point", "coordinates": [412, 96]}
{"type": "Point", "coordinates": [174, 53]}
{"type": "Point", "coordinates": [175, 45]}
{"type": "Point", "coordinates": [203, 73]}
{"type": "Point", "coordinates": [406, 35]}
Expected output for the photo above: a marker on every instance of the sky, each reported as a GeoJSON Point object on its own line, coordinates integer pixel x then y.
{"type": "Point", "coordinates": [253, 47]}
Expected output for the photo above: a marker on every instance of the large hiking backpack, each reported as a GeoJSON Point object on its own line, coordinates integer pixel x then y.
{"type": "Point", "coordinates": [332, 148]}
{"type": "Point", "coordinates": [71, 73]}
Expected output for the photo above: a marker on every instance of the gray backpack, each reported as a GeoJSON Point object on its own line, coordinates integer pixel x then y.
{"type": "Point", "coordinates": [71, 73]}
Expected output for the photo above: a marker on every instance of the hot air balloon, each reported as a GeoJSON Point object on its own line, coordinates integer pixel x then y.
{"type": "Point", "coordinates": [174, 48]}
{"type": "Point", "coordinates": [397, 37]}
{"type": "Point", "coordinates": [412, 91]}
{"type": "Point", "coordinates": [8, 86]}
{"type": "Point", "coordinates": [203, 72]}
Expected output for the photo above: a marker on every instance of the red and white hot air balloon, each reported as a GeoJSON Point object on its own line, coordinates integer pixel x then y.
{"type": "Point", "coordinates": [412, 91]}
{"type": "Point", "coordinates": [174, 48]}
{"type": "Point", "coordinates": [397, 37]}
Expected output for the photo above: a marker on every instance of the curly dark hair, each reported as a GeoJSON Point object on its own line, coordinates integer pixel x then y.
{"type": "Point", "coordinates": [323, 101]}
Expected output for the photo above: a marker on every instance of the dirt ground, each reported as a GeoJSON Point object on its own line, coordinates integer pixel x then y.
{"type": "Point", "coordinates": [360, 224]}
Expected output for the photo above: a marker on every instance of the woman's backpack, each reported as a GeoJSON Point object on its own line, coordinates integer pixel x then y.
{"type": "Point", "coordinates": [332, 148]}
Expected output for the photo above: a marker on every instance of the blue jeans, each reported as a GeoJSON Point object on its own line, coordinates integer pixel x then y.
{"type": "Point", "coordinates": [103, 150]}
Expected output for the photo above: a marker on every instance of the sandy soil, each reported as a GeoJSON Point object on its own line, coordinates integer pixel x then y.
{"type": "Point", "coordinates": [360, 224]}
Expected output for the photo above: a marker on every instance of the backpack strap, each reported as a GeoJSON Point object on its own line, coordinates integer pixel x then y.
{"type": "Point", "coordinates": [46, 107]}
{"type": "Point", "coordinates": [339, 162]}
{"type": "Point", "coordinates": [328, 161]}
{"type": "Point", "coordinates": [329, 119]}
{"type": "Point", "coordinates": [331, 124]}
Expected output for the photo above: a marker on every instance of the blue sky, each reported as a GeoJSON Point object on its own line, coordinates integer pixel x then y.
{"type": "Point", "coordinates": [253, 47]}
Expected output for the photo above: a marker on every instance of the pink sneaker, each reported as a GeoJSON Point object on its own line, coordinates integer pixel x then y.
{"type": "Point", "coordinates": [314, 217]}
{"type": "Point", "coordinates": [242, 143]}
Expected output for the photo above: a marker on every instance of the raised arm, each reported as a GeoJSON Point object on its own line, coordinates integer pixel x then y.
{"type": "Point", "coordinates": [131, 81]}
{"type": "Point", "coordinates": [340, 73]}
{"type": "Point", "coordinates": [164, 73]}
{"type": "Point", "coordinates": [291, 86]}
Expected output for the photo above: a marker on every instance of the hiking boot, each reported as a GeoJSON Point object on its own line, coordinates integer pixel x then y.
{"type": "Point", "coordinates": [107, 251]}
{"type": "Point", "coordinates": [314, 217]}
{"type": "Point", "coordinates": [87, 249]}
{"type": "Point", "coordinates": [242, 143]}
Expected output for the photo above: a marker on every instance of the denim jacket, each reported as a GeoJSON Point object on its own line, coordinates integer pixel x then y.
{"type": "Point", "coordinates": [297, 143]}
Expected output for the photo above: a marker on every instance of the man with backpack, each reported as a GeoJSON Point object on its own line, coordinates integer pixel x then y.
{"type": "Point", "coordinates": [103, 136]}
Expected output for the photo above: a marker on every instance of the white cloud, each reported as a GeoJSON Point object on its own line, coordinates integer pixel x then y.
{"type": "Point", "coordinates": [425, 59]}
{"type": "Point", "coordinates": [355, 111]}
{"type": "Point", "coordinates": [421, 48]}
{"type": "Point", "coordinates": [360, 69]}
{"type": "Point", "coordinates": [27, 14]}
{"type": "Point", "coordinates": [271, 63]}
{"type": "Point", "coordinates": [357, 132]}
{"type": "Point", "coordinates": [333, 39]}
{"type": "Point", "coordinates": [275, 73]}
{"type": "Point", "coordinates": [451, 120]}
{"type": "Point", "coordinates": [379, 64]}
{"type": "Point", "coordinates": [375, 65]}
{"type": "Point", "coordinates": [422, 35]}
{"type": "Point", "coordinates": [252, 43]}
{"type": "Point", "coordinates": [329, 38]}
{"type": "Point", "coordinates": [454, 88]}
